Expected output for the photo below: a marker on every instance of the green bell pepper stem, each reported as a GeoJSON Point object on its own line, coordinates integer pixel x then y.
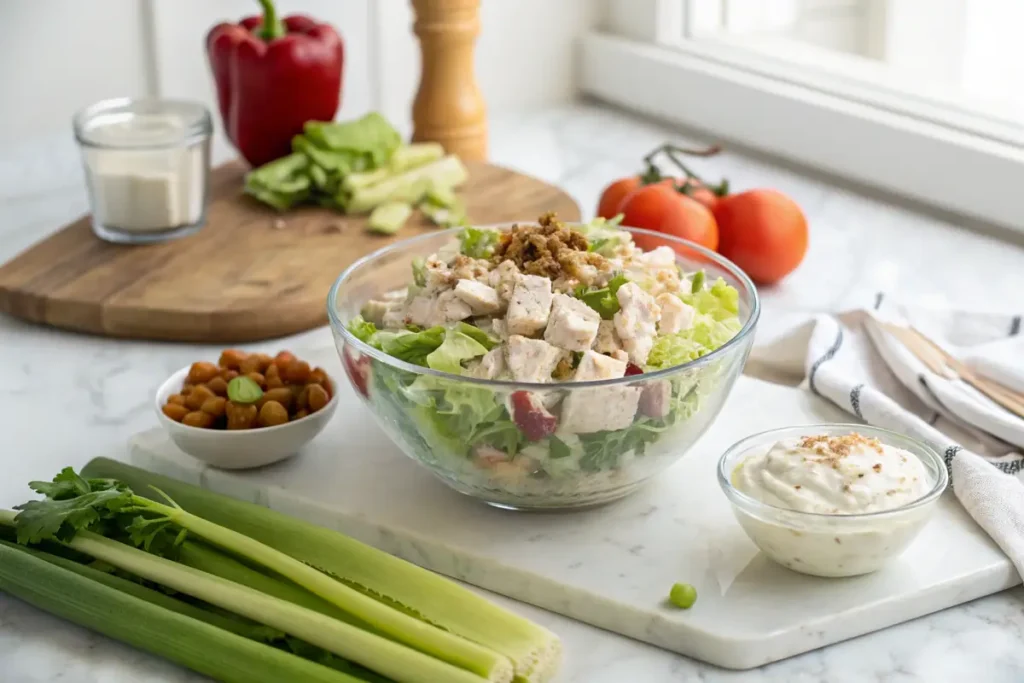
{"type": "Point", "coordinates": [272, 26]}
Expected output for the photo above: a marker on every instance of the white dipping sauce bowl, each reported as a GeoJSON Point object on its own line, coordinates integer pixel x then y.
{"type": "Point", "coordinates": [831, 545]}
{"type": "Point", "coordinates": [241, 449]}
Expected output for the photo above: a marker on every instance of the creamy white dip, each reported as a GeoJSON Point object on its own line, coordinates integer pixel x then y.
{"type": "Point", "coordinates": [837, 478]}
{"type": "Point", "coordinates": [837, 475]}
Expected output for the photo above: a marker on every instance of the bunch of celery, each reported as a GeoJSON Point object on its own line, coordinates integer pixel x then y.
{"type": "Point", "coordinates": [241, 593]}
{"type": "Point", "coordinates": [362, 166]}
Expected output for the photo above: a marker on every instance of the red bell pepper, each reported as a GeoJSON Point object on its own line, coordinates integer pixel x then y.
{"type": "Point", "coordinates": [272, 76]}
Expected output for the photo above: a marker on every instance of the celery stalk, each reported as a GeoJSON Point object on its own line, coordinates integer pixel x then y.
{"type": "Point", "coordinates": [388, 218]}
{"type": "Point", "coordinates": [189, 642]}
{"type": "Point", "coordinates": [535, 652]}
{"type": "Point", "coordinates": [426, 638]}
{"type": "Point", "coordinates": [384, 656]}
{"type": "Point", "coordinates": [409, 186]}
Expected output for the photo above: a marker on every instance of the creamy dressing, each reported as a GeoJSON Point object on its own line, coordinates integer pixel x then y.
{"type": "Point", "coordinates": [840, 480]}
{"type": "Point", "coordinates": [848, 474]}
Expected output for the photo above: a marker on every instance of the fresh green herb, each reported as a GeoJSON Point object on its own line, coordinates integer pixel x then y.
{"type": "Point", "coordinates": [603, 300]}
{"type": "Point", "coordinates": [698, 282]}
{"type": "Point", "coordinates": [558, 448]}
{"type": "Point", "coordinates": [604, 450]}
{"type": "Point", "coordinates": [243, 389]}
{"type": "Point", "coordinates": [683, 595]}
{"type": "Point", "coordinates": [478, 242]}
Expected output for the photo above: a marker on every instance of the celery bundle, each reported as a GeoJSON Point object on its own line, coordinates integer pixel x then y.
{"type": "Point", "coordinates": [247, 594]}
{"type": "Point", "coordinates": [359, 167]}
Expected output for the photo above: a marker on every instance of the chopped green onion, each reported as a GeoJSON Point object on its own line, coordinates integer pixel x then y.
{"type": "Point", "coordinates": [698, 282]}
{"type": "Point", "coordinates": [244, 389]}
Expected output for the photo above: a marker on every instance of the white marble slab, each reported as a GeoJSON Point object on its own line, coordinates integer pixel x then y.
{"type": "Point", "coordinates": [612, 566]}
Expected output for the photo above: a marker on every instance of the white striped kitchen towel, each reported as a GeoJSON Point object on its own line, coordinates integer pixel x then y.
{"type": "Point", "coordinates": [850, 360]}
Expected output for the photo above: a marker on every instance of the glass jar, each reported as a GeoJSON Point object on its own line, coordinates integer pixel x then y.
{"type": "Point", "coordinates": [147, 167]}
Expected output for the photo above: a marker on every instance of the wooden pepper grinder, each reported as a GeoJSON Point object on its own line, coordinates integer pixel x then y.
{"type": "Point", "coordinates": [448, 107]}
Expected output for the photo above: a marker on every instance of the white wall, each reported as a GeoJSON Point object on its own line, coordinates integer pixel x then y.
{"type": "Point", "coordinates": [59, 55]}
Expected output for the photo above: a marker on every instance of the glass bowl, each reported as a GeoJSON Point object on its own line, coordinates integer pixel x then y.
{"type": "Point", "coordinates": [460, 427]}
{"type": "Point", "coordinates": [831, 545]}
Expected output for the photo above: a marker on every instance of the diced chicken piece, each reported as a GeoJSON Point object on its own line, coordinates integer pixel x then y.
{"type": "Point", "coordinates": [449, 308]}
{"type": "Point", "coordinates": [585, 411]}
{"type": "Point", "coordinates": [607, 340]}
{"type": "Point", "coordinates": [503, 279]}
{"type": "Point", "coordinates": [675, 314]}
{"type": "Point", "coordinates": [396, 294]}
{"type": "Point", "coordinates": [530, 305]}
{"type": "Point", "coordinates": [438, 275]}
{"type": "Point", "coordinates": [481, 298]}
{"type": "Point", "coordinates": [619, 354]}
{"type": "Point", "coordinates": [594, 365]}
{"type": "Point", "coordinates": [499, 329]}
{"type": "Point", "coordinates": [572, 325]}
{"type": "Point", "coordinates": [491, 365]}
{"type": "Point", "coordinates": [420, 311]}
{"type": "Point", "coordinates": [660, 257]}
{"type": "Point", "coordinates": [396, 317]}
{"type": "Point", "coordinates": [532, 360]}
{"type": "Point", "coordinates": [654, 401]}
{"type": "Point", "coordinates": [636, 321]}
{"type": "Point", "coordinates": [466, 268]}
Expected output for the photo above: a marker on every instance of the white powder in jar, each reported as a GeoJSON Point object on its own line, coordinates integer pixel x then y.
{"type": "Point", "coordinates": [141, 177]}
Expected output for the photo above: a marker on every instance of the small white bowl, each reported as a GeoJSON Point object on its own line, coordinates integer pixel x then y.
{"type": "Point", "coordinates": [241, 449]}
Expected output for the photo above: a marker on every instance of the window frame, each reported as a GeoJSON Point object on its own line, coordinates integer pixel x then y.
{"type": "Point", "coordinates": [907, 144]}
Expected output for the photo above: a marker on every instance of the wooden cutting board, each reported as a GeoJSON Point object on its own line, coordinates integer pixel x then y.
{"type": "Point", "coordinates": [249, 274]}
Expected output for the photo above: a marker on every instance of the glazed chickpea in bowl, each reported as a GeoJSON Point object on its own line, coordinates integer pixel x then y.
{"type": "Point", "coordinates": [246, 410]}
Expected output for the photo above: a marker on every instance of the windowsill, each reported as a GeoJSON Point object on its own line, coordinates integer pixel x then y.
{"type": "Point", "coordinates": [936, 165]}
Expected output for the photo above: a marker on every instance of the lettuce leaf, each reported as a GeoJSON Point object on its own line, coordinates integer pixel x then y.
{"type": "Point", "coordinates": [486, 340]}
{"type": "Point", "coordinates": [604, 235]}
{"type": "Point", "coordinates": [457, 347]}
{"type": "Point", "coordinates": [603, 300]}
{"type": "Point", "coordinates": [362, 329]}
{"type": "Point", "coordinates": [478, 242]}
{"type": "Point", "coordinates": [412, 347]}
{"type": "Point", "coordinates": [717, 321]}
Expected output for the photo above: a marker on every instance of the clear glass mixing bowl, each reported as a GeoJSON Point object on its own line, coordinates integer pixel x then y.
{"type": "Point", "coordinates": [446, 422]}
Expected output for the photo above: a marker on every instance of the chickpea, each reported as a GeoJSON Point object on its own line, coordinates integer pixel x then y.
{"type": "Point", "coordinates": [283, 359]}
{"type": "Point", "coordinates": [186, 389]}
{"type": "Point", "coordinates": [299, 414]}
{"type": "Point", "coordinates": [297, 372]}
{"type": "Point", "coordinates": [218, 385]}
{"type": "Point", "coordinates": [228, 375]}
{"type": "Point", "coordinates": [214, 405]}
{"type": "Point", "coordinates": [282, 395]}
{"type": "Point", "coordinates": [175, 411]}
{"type": "Point", "coordinates": [240, 416]}
{"type": "Point", "coordinates": [272, 414]}
{"type": "Point", "coordinates": [266, 361]}
{"type": "Point", "coordinates": [317, 397]}
{"type": "Point", "coordinates": [202, 372]}
{"type": "Point", "coordinates": [232, 358]}
{"type": "Point", "coordinates": [196, 397]}
{"type": "Point", "coordinates": [250, 364]}
{"type": "Point", "coordinates": [176, 399]}
{"type": "Point", "coordinates": [301, 397]}
{"type": "Point", "coordinates": [318, 376]}
{"type": "Point", "coordinates": [273, 377]}
{"type": "Point", "coordinates": [258, 378]}
{"type": "Point", "coordinates": [198, 419]}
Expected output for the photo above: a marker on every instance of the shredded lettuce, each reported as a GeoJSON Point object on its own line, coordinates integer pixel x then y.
{"type": "Point", "coordinates": [486, 340]}
{"type": "Point", "coordinates": [717, 321]}
{"type": "Point", "coordinates": [478, 242]}
{"type": "Point", "coordinates": [412, 347]}
{"type": "Point", "coordinates": [604, 235]}
{"type": "Point", "coordinates": [362, 329]}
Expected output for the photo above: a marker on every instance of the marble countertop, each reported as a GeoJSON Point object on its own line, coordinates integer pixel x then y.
{"type": "Point", "coordinates": [66, 398]}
